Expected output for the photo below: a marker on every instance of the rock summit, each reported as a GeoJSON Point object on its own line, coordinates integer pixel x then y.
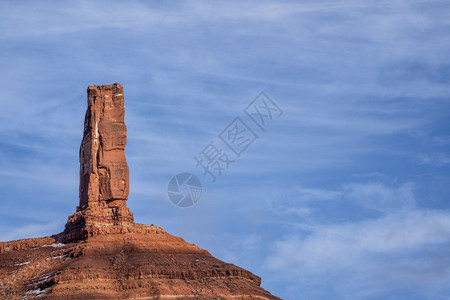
{"type": "Point", "coordinates": [102, 253]}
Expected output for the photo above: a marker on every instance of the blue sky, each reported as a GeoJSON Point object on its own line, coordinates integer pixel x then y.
{"type": "Point", "coordinates": [345, 196]}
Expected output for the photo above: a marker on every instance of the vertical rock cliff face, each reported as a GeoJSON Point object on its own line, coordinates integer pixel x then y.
{"type": "Point", "coordinates": [103, 166]}
{"type": "Point", "coordinates": [102, 253]}
{"type": "Point", "coordinates": [104, 184]}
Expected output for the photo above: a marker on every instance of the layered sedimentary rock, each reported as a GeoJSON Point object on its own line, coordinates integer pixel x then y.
{"type": "Point", "coordinates": [103, 166]}
{"type": "Point", "coordinates": [102, 253]}
{"type": "Point", "coordinates": [104, 180]}
{"type": "Point", "coordinates": [138, 262]}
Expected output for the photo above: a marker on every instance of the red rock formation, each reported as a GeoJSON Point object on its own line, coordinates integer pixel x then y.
{"type": "Point", "coordinates": [102, 253]}
{"type": "Point", "coordinates": [104, 181]}
{"type": "Point", "coordinates": [104, 169]}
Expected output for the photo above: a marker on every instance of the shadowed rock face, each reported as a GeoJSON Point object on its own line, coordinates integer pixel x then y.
{"type": "Point", "coordinates": [102, 253]}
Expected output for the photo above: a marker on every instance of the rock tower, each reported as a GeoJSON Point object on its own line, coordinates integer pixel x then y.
{"type": "Point", "coordinates": [104, 180]}
{"type": "Point", "coordinates": [102, 253]}
{"type": "Point", "coordinates": [103, 166]}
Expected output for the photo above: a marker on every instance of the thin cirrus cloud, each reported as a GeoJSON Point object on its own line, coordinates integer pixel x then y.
{"type": "Point", "coordinates": [349, 183]}
{"type": "Point", "coordinates": [402, 252]}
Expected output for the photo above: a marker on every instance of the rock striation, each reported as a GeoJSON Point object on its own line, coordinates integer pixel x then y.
{"type": "Point", "coordinates": [104, 180]}
{"type": "Point", "coordinates": [102, 253]}
{"type": "Point", "coordinates": [103, 166]}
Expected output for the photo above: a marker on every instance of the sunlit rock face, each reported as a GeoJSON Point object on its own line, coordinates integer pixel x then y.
{"type": "Point", "coordinates": [103, 166]}
{"type": "Point", "coordinates": [102, 253]}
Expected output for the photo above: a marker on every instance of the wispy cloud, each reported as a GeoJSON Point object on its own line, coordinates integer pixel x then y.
{"type": "Point", "coordinates": [32, 230]}
{"type": "Point", "coordinates": [361, 147]}
{"type": "Point", "coordinates": [401, 252]}
{"type": "Point", "coordinates": [378, 196]}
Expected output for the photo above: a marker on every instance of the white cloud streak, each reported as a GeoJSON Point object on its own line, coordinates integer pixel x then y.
{"type": "Point", "coordinates": [354, 78]}
{"type": "Point", "coordinates": [370, 259]}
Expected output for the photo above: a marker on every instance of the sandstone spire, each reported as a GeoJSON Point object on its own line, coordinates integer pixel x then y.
{"type": "Point", "coordinates": [103, 253]}
{"type": "Point", "coordinates": [103, 166]}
